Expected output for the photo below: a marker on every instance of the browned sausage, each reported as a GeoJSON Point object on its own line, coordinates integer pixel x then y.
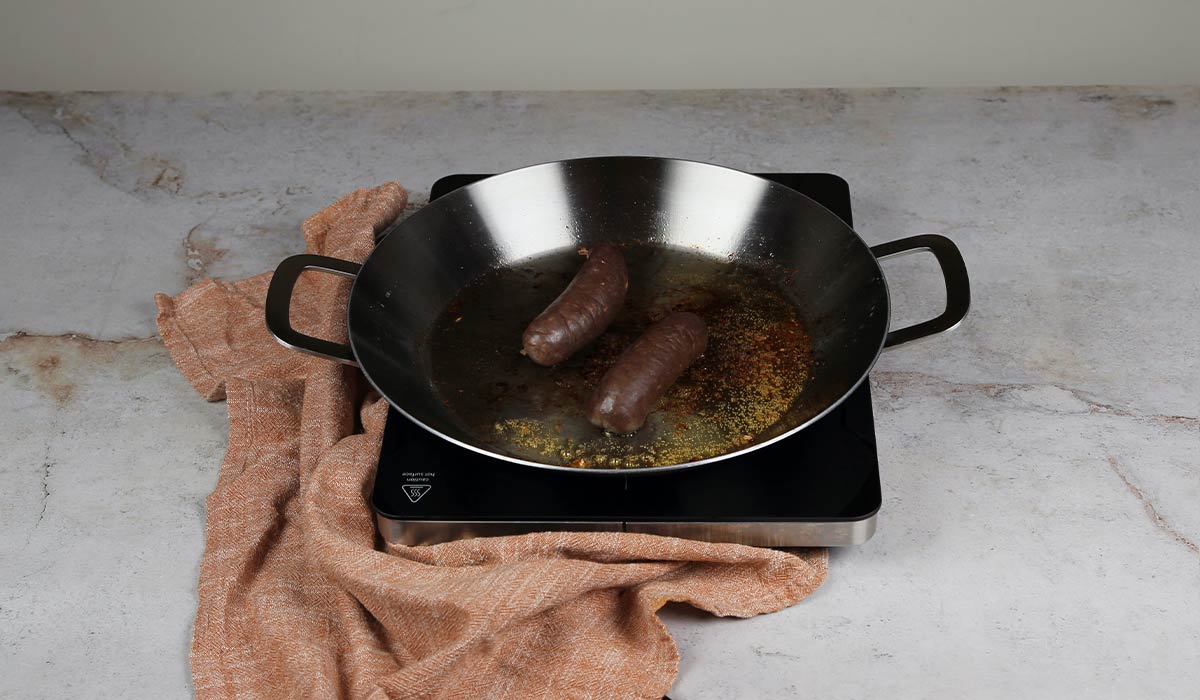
{"type": "Point", "coordinates": [643, 372]}
{"type": "Point", "coordinates": [581, 313]}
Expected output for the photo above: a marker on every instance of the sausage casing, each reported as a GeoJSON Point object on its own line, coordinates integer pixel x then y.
{"type": "Point", "coordinates": [581, 313]}
{"type": "Point", "coordinates": [642, 374]}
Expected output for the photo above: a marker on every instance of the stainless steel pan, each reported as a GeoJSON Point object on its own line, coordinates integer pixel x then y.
{"type": "Point", "coordinates": [474, 390]}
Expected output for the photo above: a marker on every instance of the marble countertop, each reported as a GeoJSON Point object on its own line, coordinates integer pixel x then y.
{"type": "Point", "coordinates": [1041, 465]}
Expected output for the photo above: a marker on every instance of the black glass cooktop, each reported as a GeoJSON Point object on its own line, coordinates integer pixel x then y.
{"type": "Point", "coordinates": [819, 486]}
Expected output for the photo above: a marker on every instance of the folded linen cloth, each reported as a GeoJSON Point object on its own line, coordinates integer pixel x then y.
{"type": "Point", "coordinates": [299, 598]}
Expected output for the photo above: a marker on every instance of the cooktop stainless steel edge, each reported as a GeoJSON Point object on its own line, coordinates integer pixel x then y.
{"type": "Point", "coordinates": [839, 533]}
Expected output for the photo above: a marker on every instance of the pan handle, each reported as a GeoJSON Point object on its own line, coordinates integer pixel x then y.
{"type": "Point", "coordinates": [279, 304]}
{"type": "Point", "coordinates": [958, 287]}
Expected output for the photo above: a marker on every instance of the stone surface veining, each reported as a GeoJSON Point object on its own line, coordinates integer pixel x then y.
{"type": "Point", "coordinates": [1040, 534]}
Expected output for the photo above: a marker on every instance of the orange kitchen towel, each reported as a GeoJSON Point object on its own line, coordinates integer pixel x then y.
{"type": "Point", "coordinates": [298, 598]}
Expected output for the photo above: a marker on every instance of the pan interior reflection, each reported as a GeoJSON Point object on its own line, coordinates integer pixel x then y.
{"type": "Point", "coordinates": [707, 213]}
{"type": "Point", "coordinates": [521, 226]}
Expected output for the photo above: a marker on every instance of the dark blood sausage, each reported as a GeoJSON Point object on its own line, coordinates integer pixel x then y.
{"type": "Point", "coordinates": [581, 313]}
{"type": "Point", "coordinates": [645, 370]}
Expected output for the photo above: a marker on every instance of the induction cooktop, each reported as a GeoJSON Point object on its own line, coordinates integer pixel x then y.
{"type": "Point", "coordinates": [817, 487]}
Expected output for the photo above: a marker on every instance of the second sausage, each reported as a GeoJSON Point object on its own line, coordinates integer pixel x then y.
{"type": "Point", "coordinates": [645, 370]}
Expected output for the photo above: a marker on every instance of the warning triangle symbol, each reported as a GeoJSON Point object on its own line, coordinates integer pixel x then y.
{"type": "Point", "coordinates": [415, 491]}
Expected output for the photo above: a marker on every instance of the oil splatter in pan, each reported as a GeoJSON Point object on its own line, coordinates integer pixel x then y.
{"type": "Point", "coordinates": [755, 366]}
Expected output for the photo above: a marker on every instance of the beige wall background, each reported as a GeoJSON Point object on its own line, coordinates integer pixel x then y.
{"type": "Point", "coordinates": [545, 44]}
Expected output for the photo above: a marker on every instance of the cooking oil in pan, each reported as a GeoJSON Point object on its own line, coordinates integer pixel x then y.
{"type": "Point", "coordinates": [756, 363]}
